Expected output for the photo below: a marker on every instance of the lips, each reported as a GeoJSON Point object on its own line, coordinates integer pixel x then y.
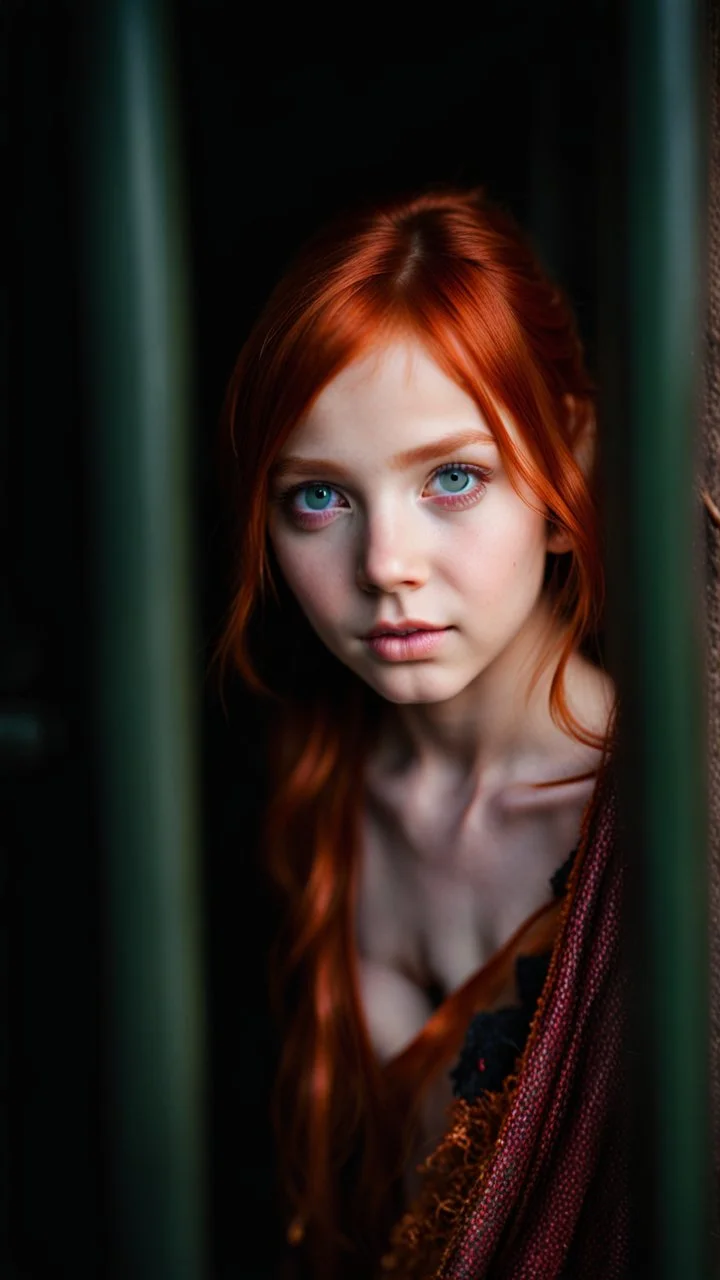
{"type": "Point", "coordinates": [407, 627]}
{"type": "Point", "coordinates": [407, 644]}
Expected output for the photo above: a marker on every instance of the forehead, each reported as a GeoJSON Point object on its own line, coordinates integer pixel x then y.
{"type": "Point", "coordinates": [395, 408]}
{"type": "Point", "coordinates": [391, 392]}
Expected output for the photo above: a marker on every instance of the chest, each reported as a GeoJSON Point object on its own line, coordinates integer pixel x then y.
{"type": "Point", "coordinates": [443, 884]}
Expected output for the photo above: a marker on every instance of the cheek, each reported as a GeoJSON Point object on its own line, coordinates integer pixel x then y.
{"type": "Point", "coordinates": [315, 578]}
{"type": "Point", "coordinates": [507, 551]}
{"type": "Point", "coordinates": [527, 553]}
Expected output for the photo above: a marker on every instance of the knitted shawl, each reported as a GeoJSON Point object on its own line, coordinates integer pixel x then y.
{"type": "Point", "coordinates": [531, 1181]}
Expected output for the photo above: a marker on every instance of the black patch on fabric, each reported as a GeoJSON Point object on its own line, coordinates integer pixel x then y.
{"type": "Point", "coordinates": [495, 1039]}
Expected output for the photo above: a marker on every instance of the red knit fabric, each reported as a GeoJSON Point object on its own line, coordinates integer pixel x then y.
{"type": "Point", "coordinates": [554, 1198]}
{"type": "Point", "coordinates": [532, 1181]}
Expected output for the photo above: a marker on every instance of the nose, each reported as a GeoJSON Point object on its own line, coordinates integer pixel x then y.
{"type": "Point", "coordinates": [391, 554]}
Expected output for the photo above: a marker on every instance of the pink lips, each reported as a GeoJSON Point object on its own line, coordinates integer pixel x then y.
{"type": "Point", "coordinates": [387, 641]}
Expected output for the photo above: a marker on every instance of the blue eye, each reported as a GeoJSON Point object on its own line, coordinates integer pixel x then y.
{"type": "Point", "coordinates": [457, 479]}
{"type": "Point", "coordinates": [317, 496]}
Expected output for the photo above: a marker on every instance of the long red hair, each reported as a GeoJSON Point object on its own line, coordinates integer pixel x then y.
{"type": "Point", "coordinates": [454, 271]}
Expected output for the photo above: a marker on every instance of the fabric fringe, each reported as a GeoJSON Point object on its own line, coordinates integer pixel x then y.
{"type": "Point", "coordinates": [450, 1173]}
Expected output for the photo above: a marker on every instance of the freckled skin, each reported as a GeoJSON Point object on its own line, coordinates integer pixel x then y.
{"type": "Point", "coordinates": [458, 849]}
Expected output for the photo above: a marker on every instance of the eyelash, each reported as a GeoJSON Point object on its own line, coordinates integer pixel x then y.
{"type": "Point", "coordinates": [455, 502]}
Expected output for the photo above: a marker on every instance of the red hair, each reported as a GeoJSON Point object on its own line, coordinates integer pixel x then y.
{"type": "Point", "coordinates": [453, 271]}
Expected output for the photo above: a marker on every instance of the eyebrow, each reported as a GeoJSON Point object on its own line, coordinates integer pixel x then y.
{"type": "Point", "coordinates": [399, 462]}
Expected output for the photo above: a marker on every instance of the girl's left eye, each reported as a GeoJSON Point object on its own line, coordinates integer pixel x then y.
{"type": "Point", "coordinates": [456, 479]}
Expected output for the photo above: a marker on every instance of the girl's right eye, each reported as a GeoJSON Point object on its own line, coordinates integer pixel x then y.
{"type": "Point", "coordinates": [317, 496]}
{"type": "Point", "coordinates": [306, 501]}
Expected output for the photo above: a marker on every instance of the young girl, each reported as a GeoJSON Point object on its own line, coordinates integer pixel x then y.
{"type": "Point", "coordinates": [419, 586]}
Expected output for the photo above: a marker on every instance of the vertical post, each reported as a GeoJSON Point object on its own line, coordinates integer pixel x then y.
{"type": "Point", "coordinates": [665, 721]}
{"type": "Point", "coordinates": [147, 647]}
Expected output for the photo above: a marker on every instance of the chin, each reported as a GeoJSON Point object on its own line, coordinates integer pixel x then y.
{"type": "Point", "coordinates": [407, 687]}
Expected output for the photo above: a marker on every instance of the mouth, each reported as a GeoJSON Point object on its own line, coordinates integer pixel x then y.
{"type": "Point", "coordinates": [405, 628]}
{"type": "Point", "coordinates": [409, 643]}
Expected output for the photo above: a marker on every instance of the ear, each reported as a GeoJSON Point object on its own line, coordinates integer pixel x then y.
{"type": "Point", "coordinates": [558, 539]}
{"type": "Point", "coordinates": [581, 433]}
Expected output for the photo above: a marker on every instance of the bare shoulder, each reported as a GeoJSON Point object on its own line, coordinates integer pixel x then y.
{"type": "Point", "coordinates": [590, 693]}
{"type": "Point", "coordinates": [561, 771]}
{"type": "Point", "coordinates": [590, 696]}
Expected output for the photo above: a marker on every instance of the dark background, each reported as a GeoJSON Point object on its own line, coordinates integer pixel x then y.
{"type": "Point", "coordinates": [279, 129]}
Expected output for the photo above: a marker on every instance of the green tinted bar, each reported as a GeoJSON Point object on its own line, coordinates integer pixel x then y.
{"type": "Point", "coordinates": [147, 674]}
{"type": "Point", "coordinates": [666, 277]}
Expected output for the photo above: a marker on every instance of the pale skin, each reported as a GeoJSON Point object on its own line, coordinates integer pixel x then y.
{"type": "Point", "coordinates": [458, 847]}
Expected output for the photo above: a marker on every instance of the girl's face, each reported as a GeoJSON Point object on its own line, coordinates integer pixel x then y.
{"type": "Point", "coordinates": [391, 509]}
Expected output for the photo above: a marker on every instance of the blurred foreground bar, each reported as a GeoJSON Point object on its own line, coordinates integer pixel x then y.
{"type": "Point", "coordinates": [147, 649]}
{"type": "Point", "coordinates": [659, 591]}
